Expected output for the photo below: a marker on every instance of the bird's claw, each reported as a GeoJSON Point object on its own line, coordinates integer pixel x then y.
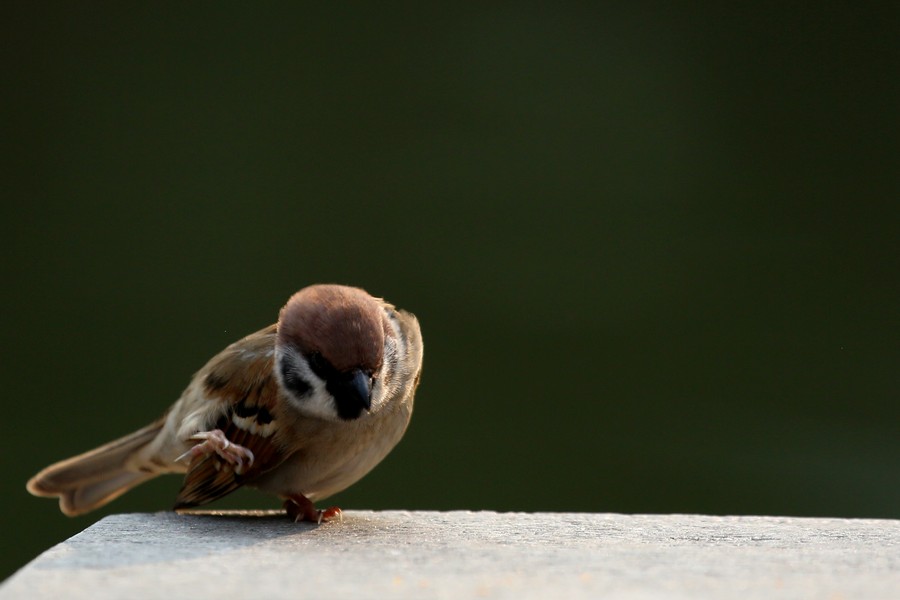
{"type": "Point", "coordinates": [215, 442]}
{"type": "Point", "coordinates": [299, 508]}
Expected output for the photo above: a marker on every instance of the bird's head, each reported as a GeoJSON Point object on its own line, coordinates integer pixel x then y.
{"type": "Point", "coordinates": [329, 350]}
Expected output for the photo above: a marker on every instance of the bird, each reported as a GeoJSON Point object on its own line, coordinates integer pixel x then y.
{"type": "Point", "coordinates": [301, 409]}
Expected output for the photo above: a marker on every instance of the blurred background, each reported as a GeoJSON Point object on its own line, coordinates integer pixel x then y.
{"type": "Point", "coordinates": [654, 250]}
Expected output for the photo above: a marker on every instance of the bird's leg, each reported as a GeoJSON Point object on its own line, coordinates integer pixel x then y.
{"type": "Point", "coordinates": [215, 442]}
{"type": "Point", "coordinates": [299, 508]}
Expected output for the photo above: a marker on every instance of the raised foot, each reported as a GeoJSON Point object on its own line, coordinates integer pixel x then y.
{"type": "Point", "coordinates": [215, 442]}
{"type": "Point", "coordinates": [299, 508]}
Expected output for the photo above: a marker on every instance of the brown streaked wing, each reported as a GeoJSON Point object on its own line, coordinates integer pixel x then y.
{"type": "Point", "coordinates": [241, 376]}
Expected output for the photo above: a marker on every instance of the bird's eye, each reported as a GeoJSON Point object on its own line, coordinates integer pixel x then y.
{"type": "Point", "coordinates": [320, 366]}
{"type": "Point", "coordinates": [316, 361]}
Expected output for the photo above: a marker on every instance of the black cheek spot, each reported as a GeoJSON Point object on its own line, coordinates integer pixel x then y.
{"type": "Point", "coordinates": [292, 381]}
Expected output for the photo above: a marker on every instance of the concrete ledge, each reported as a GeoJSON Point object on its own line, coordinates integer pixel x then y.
{"type": "Point", "coordinates": [464, 555]}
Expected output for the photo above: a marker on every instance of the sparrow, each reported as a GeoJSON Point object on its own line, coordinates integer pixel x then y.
{"type": "Point", "coordinates": [301, 409]}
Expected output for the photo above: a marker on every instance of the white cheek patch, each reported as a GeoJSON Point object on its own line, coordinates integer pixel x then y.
{"type": "Point", "coordinates": [317, 402]}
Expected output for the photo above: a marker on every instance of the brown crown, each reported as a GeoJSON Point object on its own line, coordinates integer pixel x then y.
{"type": "Point", "coordinates": [344, 324]}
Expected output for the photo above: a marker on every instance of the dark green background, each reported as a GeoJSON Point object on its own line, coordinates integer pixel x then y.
{"type": "Point", "coordinates": [654, 251]}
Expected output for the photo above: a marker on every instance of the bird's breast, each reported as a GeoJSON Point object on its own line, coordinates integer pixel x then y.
{"type": "Point", "coordinates": [335, 454]}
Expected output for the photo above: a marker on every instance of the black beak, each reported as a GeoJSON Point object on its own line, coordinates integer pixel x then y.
{"type": "Point", "coordinates": [352, 392]}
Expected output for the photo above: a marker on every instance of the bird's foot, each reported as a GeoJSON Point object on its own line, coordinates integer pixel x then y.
{"type": "Point", "coordinates": [215, 442]}
{"type": "Point", "coordinates": [299, 508]}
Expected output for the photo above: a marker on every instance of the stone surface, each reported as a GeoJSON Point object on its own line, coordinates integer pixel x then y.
{"type": "Point", "coordinates": [468, 555]}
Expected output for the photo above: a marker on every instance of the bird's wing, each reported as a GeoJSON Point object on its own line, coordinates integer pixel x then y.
{"type": "Point", "coordinates": [242, 379]}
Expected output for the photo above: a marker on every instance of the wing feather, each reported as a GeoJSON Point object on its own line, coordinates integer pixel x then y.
{"type": "Point", "coordinates": [242, 378]}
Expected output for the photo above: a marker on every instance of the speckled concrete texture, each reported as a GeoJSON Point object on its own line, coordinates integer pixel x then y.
{"type": "Point", "coordinates": [467, 555]}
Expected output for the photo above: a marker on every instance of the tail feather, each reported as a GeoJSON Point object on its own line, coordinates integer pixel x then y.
{"type": "Point", "coordinates": [92, 479]}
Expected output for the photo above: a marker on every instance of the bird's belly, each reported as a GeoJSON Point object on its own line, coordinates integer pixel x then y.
{"type": "Point", "coordinates": [309, 476]}
{"type": "Point", "coordinates": [323, 468]}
